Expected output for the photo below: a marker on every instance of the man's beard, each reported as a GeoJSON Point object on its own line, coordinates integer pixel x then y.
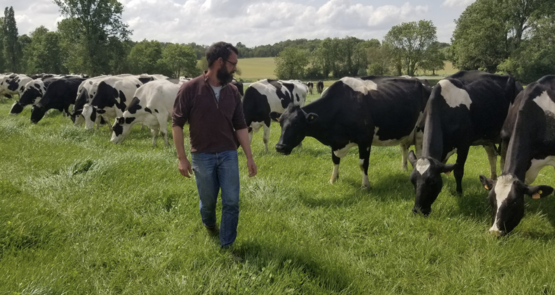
{"type": "Point", "coordinates": [224, 76]}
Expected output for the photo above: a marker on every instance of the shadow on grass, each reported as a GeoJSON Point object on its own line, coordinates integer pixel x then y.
{"type": "Point", "coordinates": [300, 263]}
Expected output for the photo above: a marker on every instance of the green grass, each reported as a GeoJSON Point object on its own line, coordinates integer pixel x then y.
{"type": "Point", "coordinates": [79, 215]}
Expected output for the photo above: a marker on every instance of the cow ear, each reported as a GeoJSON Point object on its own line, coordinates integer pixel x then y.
{"type": "Point", "coordinates": [412, 158]}
{"type": "Point", "coordinates": [311, 118]}
{"type": "Point", "coordinates": [275, 116]}
{"type": "Point", "coordinates": [538, 191]}
{"type": "Point", "coordinates": [447, 168]}
{"type": "Point", "coordinates": [488, 183]}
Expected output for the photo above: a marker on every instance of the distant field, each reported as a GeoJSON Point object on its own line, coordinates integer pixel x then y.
{"type": "Point", "coordinates": [253, 69]}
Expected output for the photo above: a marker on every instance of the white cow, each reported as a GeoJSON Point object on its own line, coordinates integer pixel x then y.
{"type": "Point", "coordinates": [152, 105]}
{"type": "Point", "coordinates": [13, 84]}
{"type": "Point", "coordinates": [83, 100]}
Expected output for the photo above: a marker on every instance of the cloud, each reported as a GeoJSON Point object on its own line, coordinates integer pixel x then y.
{"type": "Point", "coordinates": [457, 3]}
{"type": "Point", "coordinates": [252, 22]}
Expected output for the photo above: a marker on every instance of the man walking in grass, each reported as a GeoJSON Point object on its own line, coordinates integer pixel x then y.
{"type": "Point", "coordinates": [212, 107]}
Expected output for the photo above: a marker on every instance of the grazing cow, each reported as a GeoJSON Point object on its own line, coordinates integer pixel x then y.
{"type": "Point", "coordinates": [110, 97]}
{"type": "Point", "coordinates": [83, 98]}
{"type": "Point", "coordinates": [266, 96]}
{"type": "Point", "coordinates": [310, 87]}
{"type": "Point", "coordinates": [32, 94]}
{"type": "Point", "coordinates": [353, 112]}
{"type": "Point", "coordinates": [13, 84]}
{"type": "Point", "coordinates": [152, 105]}
{"type": "Point", "coordinates": [531, 147]}
{"type": "Point", "coordinates": [465, 109]}
{"type": "Point", "coordinates": [320, 87]}
{"type": "Point", "coordinates": [59, 95]}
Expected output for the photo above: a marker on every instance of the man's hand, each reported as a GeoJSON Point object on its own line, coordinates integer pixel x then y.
{"type": "Point", "coordinates": [252, 167]}
{"type": "Point", "coordinates": [185, 168]}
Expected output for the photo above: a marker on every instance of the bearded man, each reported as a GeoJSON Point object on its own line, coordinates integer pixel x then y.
{"type": "Point", "coordinates": [212, 107]}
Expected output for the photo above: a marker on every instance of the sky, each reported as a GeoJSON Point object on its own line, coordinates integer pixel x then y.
{"type": "Point", "coordinates": [257, 22]}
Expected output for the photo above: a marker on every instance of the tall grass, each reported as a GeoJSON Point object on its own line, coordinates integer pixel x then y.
{"type": "Point", "coordinates": [79, 215]}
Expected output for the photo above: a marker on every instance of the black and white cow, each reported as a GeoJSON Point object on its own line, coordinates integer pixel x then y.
{"type": "Point", "coordinates": [356, 112]}
{"type": "Point", "coordinates": [32, 93]}
{"type": "Point", "coordinates": [152, 105]}
{"type": "Point", "coordinates": [320, 87]}
{"type": "Point", "coordinates": [83, 98]}
{"type": "Point", "coordinates": [266, 96]}
{"type": "Point", "coordinates": [13, 84]}
{"type": "Point", "coordinates": [310, 86]}
{"type": "Point", "coordinates": [531, 147]}
{"type": "Point", "coordinates": [59, 95]}
{"type": "Point", "coordinates": [465, 109]}
{"type": "Point", "coordinates": [110, 97]}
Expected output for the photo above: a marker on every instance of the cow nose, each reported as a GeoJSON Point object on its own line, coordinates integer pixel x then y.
{"type": "Point", "coordinates": [424, 212]}
{"type": "Point", "coordinates": [495, 232]}
{"type": "Point", "coordinates": [280, 148]}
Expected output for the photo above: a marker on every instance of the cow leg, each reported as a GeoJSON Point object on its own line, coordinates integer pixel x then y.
{"type": "Point", "coordinates": [335, 173]}
{"type": "Point", "coordinates": [154, 131]}
{"type": "Point", "coordinates": [404, 153]}
{"type": "Point", "coordinates": [504, 146]}
{"type": "Point", "coordinates": [462, 154]}
{"type": "Point", "coordinates": [163, 127]}
{"type": "Point", "coordinates": [266, 136]}
{"type": "Point", "coordinates": [492, 158]}
{"type": "Point", "coordinates": [363, 161]}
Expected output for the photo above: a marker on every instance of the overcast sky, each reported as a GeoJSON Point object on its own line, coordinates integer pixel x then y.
{"type": "Point", "coordinates": [257, 22]}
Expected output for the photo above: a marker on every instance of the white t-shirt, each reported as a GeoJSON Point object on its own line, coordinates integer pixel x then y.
{"type": "Point", "coordinates": [217, 92]}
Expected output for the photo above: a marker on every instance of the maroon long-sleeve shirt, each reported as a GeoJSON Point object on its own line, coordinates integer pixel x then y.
{"type": "Point", "coordinates": [212, 124]}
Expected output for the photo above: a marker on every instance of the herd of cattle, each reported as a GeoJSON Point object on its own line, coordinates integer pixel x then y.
{"type": "Point", "coordinates": [465, 109]}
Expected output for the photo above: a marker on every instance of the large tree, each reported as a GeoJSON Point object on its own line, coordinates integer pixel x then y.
{"type": "Point", "coordinates": [291, 63]}
{"type": "Point", "coordinates": [434, 58]}
{"type": "Point", "coordinates": [11, 46]}
{"type": "Point", "coordinates": [410, 42]}
{"type": "Point", "coordinates": [94, 22]}
{"type": "Point", "coordinates": [43, 54]}
{"type": "Point", "coordinates": [180, 60]}
{"type": "Point", "coordinates": [145, 57]}
{"type": "Point", "coordinates": [490, 31]}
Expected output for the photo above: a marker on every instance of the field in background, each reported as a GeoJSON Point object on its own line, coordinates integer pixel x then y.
{"type": "Point", "coordinates": [253, 69]}
{"type": "Point", "coordinates": [80, 215]}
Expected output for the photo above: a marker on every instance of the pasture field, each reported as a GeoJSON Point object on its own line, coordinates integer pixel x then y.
{"type": "Point", "coordinates": [80, 215]}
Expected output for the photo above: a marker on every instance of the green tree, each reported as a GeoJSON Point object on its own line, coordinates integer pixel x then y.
{"type": "Point", "coordinates": [410, 42]}
{"type": "Point", "coordinates": [144, 58]}
{"type": "Point", "coordinates": [490, 31]}
{"type": "Point", "coordinates": [434, 59]}
{"type": "Point", "coordinates": [74, 57]}
{"type": "Point", "coordinates": [95, 21]}
{"type": "Point", "coordinates": [11, 46]}
{"type": "Point", "coordinates": [480, 37]}
{"type": "Point", "coordinates": [43, 54]}
{"type": "Point", "coordinates": [180, 60]}
{"type": "Point", "coordinates": [379, 59]}
{"type": "Point", "coordinates": [535, 56]}
{"type": "Point", "coordinates": [291, 63]}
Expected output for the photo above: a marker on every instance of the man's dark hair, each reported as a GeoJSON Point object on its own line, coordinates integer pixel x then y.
{"type": "Point", "coordinates": [217, 50]}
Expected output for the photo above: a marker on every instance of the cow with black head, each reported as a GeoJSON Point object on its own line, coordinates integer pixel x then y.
{"type": "Point", "coordinates": [356, 112]}
{"type": "Point", "coordinates": [531, 147]}
{"type": "Point", "coordinates": [32, 94]}
{"type": "Point", "coordinates": [60, 95]}
{"type": "Point", "coordinates": [465, 109]}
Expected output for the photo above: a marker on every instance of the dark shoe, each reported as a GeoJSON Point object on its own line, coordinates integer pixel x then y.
{"type": "Point", "coordinates": [213, 230]}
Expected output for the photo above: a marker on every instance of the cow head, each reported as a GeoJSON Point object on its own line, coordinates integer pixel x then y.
{"type": "Point", "coordinates": [121, 128]}
{"type": "Point", "coordinates": [89, 113]}
{"type": "Point", "coordinates": [294, 124]}
{"type": "Point", "coordinates": [37, 113]}
{"type": "Point", "coordinates": [427, 182]}
{"type": "Point", "coordinates": [506, 197]}
{"type": "Point", "coordinates": [17, 108]}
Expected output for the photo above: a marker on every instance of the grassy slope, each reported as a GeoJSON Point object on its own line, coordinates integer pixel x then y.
{"type": "Point", "coordinates": [79, 215]}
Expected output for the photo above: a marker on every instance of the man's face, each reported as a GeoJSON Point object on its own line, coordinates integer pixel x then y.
{"type": "Point", "coordinates": [227, 69]}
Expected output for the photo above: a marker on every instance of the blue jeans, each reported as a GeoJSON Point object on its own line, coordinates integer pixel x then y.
{"type": "Point", "coordinates": [212, 172]}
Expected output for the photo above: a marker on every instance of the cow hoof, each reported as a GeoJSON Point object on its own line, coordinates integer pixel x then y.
{"type": "Point", "coordinates": [365, 187]}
